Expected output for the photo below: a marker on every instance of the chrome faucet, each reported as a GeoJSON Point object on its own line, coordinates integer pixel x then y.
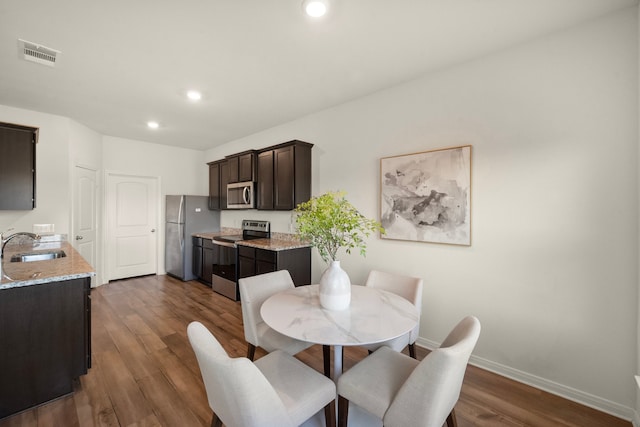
{"type": "Point", "coordinates": [14, 235]}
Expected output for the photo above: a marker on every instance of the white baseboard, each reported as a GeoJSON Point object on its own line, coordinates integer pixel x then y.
{"type": "Point", "coordinates": [552, 387]}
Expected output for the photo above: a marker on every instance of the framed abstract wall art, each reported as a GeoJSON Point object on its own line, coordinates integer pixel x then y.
{"type": "Point", "coordinates": [426, 197]}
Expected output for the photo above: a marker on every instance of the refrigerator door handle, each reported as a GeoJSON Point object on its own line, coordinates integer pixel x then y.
{"type": "Point", "coordinates": [180, 209]}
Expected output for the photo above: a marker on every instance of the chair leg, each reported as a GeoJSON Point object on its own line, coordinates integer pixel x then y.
{"type": "Point", "coordinates": [412, 350]}
{"type": "Point", "coordinates": [215, 421]}
{"type": "Point", "coordinates": [330, 414]}
{"type": "Point", "coordinates": [326, 358]}
{"type": "Point", "coordinates": [251, 351]}
{"type": "Point", "coordinates": [451, 419]}
{"type": "Point", "coordinates": [343, 411]}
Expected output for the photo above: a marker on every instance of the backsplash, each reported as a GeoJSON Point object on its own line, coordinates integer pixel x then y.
{"type": "Point", "coordinates": [285, 236]}
{"type": "Point", "coordinates": [44, 238]}
{"type": "Point", "coordinates": [289, 237]}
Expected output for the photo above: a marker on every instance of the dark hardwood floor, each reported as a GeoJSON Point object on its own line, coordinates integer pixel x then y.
{"type": "Point", "coordinates": [144, 372]}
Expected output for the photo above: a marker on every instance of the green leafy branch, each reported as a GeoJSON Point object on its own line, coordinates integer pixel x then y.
{"type": "Point", "coordinates": [329, 222]}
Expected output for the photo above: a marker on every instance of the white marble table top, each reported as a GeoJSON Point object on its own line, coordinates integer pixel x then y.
{"type": "Point", "coordinates": [373, 316]}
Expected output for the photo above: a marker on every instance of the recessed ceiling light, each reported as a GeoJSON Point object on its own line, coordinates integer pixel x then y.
{"type": "Point", "coordinates": [194, 95]}
{"type": "Point", "coordinates": [315, 8]}
{"type": "Point", "coordinates": [153, 125]}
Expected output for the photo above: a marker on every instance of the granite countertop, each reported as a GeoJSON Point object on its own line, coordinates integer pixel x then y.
{"type": "Point", "coordinates": [212, 234]}
{"type": "Point", "coordinates": [273, 244]}
{"type": "Point", "coordinates": [277, 242]}
{"type": "Point", "coordinates": [17, 274]}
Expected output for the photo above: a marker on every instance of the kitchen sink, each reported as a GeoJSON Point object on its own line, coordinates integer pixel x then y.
{"type": "Point", "coordinates": [38, 256]}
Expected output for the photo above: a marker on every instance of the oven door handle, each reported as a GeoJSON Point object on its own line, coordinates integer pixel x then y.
{"type": "Point", "coordinates": [227, 244]}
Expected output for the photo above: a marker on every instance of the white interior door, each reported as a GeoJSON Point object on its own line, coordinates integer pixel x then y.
{"type": "Point", "coordinates": [85, 215]}
{"type": "Point", "coordinates": [132, 220]}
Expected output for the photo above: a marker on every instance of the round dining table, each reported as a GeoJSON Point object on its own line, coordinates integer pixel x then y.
{"type": "Point", "coordinates": [373, 316]}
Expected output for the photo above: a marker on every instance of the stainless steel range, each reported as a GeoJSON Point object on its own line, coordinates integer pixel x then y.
{"type": "Point", "coordinates": [225, 256]}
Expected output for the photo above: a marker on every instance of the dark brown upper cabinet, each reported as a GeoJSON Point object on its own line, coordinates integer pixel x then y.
{"type": "Point", "coordinates": [284, 175]}
{"type": "Point", "coordinates": [218, 180]}
{"type": "Point", "coordinates": [224, 180]}
{"type": "Point", "coordinates": [214, 185]}
{"type": "Point", "coordinates": [242, 166]}
{"type": "Point", "coordinates": [17, 167]}
{"type": "Point", "coordinates": [265, 180]}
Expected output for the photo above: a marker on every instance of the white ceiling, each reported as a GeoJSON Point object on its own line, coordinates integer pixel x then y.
{"type": "Point", "coordinates": [258, 63]}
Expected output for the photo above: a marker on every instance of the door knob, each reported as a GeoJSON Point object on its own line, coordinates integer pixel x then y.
{"type": "Point", "coordinates": [78, 237]}
{"type": "Point", "coordinates": [153, 230]}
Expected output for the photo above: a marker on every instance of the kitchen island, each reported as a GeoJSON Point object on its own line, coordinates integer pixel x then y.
{"type": "Point", "coordinates": [45, 318]}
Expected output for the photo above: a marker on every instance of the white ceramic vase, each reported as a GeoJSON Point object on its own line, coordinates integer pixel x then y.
{"type": "Point", "coordinates": [335, 288]}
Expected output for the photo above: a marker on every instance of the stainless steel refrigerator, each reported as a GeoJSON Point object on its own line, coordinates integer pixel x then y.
{"type": "Point", "coordinates": [185, 215]}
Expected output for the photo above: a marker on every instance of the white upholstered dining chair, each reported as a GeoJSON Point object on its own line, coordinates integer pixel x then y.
{"type": "Point", "coordinates": [410, 288]}
{"type": "Point", "coordinates": [403, 392]}
{"type": "Point", "coordinates": [254, 291]}
{"type": "Point", "coordinates": [276, 390]}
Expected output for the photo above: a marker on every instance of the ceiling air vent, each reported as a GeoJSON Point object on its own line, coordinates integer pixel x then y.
{"type": "Point", "coordinates": [37, 53]}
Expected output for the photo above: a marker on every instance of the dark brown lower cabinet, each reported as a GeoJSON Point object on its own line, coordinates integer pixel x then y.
{"type": "Point", "coordinates": [202, 259]}
{"type": "Point", "coordinates": [254, 261]}
{"type": "Point", "coordinates": [45, 342]}
{"type": "Point", "coordinates": [207, 261]}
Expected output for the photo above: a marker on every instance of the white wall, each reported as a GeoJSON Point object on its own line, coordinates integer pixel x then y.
{"type": "Point", "coordinates": [183, 171]}
{"type": "Point", "coordinates": [85, 146]}
{"type": "Point", "coordinates": [180, 171]}
{"type": "Point", "coordinates": [52, 172]}
{"type": "Point", "coordinates": [552, 270]}
{"type": "Point", "coordinates": [62, 144]}
{"type": "Point", "coordinates": [85, 150]}
{"type": "Point", "coordinates": [636, 420]}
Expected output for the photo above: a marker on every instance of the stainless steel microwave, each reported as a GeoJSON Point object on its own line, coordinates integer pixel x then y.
{"type": "Point", "coordinates": [240, 195]}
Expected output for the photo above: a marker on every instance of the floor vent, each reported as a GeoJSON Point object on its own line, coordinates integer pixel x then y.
{"type": "Point", "coordinates": [37, 53]}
